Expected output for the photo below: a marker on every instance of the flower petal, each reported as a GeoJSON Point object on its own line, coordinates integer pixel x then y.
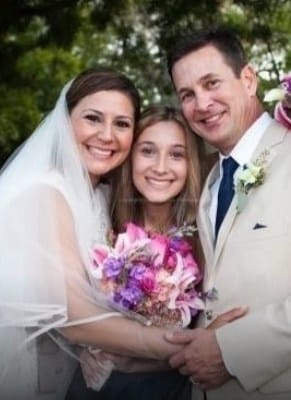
{"type": "Point", "coordinates": [274, 95]}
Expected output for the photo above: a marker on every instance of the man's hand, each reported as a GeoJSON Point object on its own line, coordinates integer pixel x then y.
{"type": "Point", "coordinates": [229, 316]}
{"type": "Point", "coordinates": [201, 357]}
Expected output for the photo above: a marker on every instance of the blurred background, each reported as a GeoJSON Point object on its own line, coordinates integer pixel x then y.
{"type": "Point", "coordinates": [45, 43]}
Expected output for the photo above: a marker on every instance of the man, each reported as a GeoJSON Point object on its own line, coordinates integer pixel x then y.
{"type": "Point", "coordinates": [247, 240]}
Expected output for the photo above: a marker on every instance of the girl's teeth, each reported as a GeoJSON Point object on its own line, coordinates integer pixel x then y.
{"type": "Point", "coordinates": [158, 183]}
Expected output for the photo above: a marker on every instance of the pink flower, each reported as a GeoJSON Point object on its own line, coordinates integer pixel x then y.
{"type": "Point", "coordinates": [148, 283]}
{"type": "Point", "coordinates": [100, 254]}
{"type": "Point", "coordinates": [190, 264]}
{"type": "Point", "coordinates": [281, 115]}
{"type": "Point", "coordinates": [282, 112]}
{"type": "Point", "coordinates": [159, 245]}
{"type": "Point", "coordinates": [132, 234]}
{"type": "Point", "coordinates": [171, 262]}
{"type": "Point", "coordinates": [188, 308]}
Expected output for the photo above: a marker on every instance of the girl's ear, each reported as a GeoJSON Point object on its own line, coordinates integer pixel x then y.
{"type": "Point", "coordinates": [250, 80]}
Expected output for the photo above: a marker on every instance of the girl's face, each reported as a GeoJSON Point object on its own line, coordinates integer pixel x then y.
{"type": "Point", "coordinates": [159, 162]}
{"type": "Point", "coordinates": [103, 124]}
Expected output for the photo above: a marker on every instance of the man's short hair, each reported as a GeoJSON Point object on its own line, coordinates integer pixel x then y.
{"type": "Point", "coordinates": [224, 40]}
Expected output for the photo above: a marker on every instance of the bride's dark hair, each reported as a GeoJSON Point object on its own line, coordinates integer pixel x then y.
{"type": "Point", "coordinates": [94, 80]}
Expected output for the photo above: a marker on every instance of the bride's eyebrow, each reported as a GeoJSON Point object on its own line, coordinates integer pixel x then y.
{"type": "Point", "coordinates": [124, 117]}
{"type": "Point", "coordinates": [101, 113]}
{"type": "Point", "coordinates": [93, 111]}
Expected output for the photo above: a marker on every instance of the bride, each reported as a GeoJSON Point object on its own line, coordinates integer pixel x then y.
{"type": "Point", "coordinates": [52, 210]}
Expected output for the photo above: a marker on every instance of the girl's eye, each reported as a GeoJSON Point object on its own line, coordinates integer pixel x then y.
{"type": "Point", "coordinates": [178, 155]}
{"type": "Point", "coordinates": [147, 151]}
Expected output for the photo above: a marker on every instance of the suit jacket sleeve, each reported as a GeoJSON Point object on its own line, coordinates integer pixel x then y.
{"type": "Point", "coordinates": [257, 347]}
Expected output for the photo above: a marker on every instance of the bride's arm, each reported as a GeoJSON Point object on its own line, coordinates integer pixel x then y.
{"type": "Point", "coordinates": [117, 334]}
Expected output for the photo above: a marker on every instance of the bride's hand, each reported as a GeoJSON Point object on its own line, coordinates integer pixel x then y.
{"type": "Point", "coordinates": [96, 368]}
{"type": "Point", "coordinates": [227, 317]}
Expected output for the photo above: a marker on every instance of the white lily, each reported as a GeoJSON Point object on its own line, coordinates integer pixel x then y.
{"type": "Point", "coordinates": [274, 95]}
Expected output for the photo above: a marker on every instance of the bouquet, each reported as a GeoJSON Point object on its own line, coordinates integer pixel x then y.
{"type": "Point", "coordinates": [150, 277]}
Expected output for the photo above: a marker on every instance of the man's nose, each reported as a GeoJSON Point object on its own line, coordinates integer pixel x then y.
{"type": "Point", "coordinates": [203, 101]}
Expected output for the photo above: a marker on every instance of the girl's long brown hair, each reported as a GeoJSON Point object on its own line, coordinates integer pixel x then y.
{"type": "Point", "coordinates": [126, 202]}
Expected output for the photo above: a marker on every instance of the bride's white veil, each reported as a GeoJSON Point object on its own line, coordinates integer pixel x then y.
{"type": "Point", "coordinates": [45, 199]}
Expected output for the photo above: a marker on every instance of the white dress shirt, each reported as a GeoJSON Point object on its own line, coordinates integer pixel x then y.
{"type": "Point", "coordinates": [242, 154]}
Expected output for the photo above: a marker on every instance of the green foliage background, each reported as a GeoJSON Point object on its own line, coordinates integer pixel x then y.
{"type": "Point", "coordinates": [44, 43]}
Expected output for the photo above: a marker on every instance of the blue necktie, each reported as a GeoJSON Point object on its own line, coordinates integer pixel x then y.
{"type": "Point", "coordinates": [226, 190]}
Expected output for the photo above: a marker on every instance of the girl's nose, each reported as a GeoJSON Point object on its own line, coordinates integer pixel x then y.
{"type": "Point", "coordinates": [160, 167]}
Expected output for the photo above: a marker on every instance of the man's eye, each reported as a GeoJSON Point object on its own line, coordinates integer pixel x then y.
{"type": "Point", "coordinates": [187, 96]}
{"type": "Point", "coordinates": [213, 84]}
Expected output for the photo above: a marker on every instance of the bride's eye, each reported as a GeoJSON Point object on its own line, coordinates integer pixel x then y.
{"type": "Point", "coordinates": [93, 117]}
{"type": "Point", "coordinates": [123, 124]}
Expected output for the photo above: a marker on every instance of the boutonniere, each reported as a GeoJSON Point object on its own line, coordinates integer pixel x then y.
{"type": "Point", "coordinates": [250, 175]}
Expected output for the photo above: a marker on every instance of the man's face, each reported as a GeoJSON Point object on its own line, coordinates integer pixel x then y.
{"type": "Point", "coordinates": [219, 106]}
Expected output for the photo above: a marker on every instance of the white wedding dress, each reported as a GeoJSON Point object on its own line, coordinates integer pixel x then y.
{"type": "Point", "coordinates": [32, 365]}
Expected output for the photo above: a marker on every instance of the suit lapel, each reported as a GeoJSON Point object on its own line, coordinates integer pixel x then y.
{"type": "Point", "coordinates": [225, 229]}
{"type": "Point", "coordinates": [273, 136]}
{"type": "Point", "coordinates": [203, 220]}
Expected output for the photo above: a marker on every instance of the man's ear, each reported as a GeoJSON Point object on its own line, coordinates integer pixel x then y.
{"type": "Point", "coordinates": [250, 80]}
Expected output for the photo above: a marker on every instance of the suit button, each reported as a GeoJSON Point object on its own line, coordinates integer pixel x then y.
{"type": "Point", "coordinates": [209, 314]}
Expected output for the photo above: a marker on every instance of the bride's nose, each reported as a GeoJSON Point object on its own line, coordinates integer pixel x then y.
{"type": "Point", "coordinates": [106, 133]}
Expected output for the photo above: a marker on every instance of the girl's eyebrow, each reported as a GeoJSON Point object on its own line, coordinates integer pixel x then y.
{"type": "Point", "coordinates": [145, 143]}
{"type": "Point", "coordinates": [178, 145]}
{"type": "Point", "coordinates": [175, 145]}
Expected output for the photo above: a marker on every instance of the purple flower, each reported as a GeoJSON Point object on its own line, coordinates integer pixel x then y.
{"type": "Point", "coordinates": [113, 266]}
{"type": "Point", "coordinates": [179, 245]}
{"type": "Point", "coordinates": [128, 297]}
{"type": "Point", "coordinates": [137, 272]}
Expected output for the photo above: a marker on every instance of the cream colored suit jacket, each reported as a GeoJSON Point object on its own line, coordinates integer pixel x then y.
{"type": "Point", "coordinates": [251, 265]}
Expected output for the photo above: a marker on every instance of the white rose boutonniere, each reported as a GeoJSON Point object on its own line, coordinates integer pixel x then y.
{"type": "Point", "coordinates": [249, 176]}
